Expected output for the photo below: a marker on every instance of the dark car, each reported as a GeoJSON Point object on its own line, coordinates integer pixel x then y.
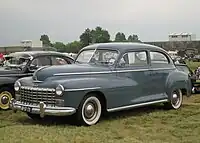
{"type": "Point", "coordinates": [188, 71]}
{"type": "Point", "coordinates": [106, 77]}
{"type": "Point", "coordinates": [196, 58]}
{"type": "Point", "coordinates": [22, 64]}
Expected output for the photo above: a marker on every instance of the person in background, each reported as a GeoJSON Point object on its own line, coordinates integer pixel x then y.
{"type": "Point", "coordinates": [198, 73]}
{"type": "Point", "coordinates": [1, 59]}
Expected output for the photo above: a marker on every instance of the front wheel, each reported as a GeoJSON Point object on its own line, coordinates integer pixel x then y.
{"type": "Point", "coordinates": [176, 100]}
{"type": "Point", "coordinates": [89, 111]}
{"type": "Point", "coordinates": [6, 94]}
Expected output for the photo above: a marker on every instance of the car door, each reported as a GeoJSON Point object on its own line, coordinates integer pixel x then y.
{"type": "Point", "coordinates": [160, 67]}
{"type": "Point", "coordinates": [132, 70]}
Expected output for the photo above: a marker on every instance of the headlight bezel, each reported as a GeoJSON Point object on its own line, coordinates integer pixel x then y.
{"type": "Point", "coordinates": [59, 90]}
{"type": "Point", "coordinates": [17, 86]}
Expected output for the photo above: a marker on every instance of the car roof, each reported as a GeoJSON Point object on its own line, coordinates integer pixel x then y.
{"type": "Point", "coordinates": [36, 53]}
{"type": "Point", "coordinates": [123, 46]}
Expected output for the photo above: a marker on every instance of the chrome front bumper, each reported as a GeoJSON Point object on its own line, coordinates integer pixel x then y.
{"type": "Point", "coordinates": [41, 109]}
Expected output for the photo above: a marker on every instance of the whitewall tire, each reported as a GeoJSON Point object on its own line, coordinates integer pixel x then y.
{"type": "Point", "coordinates": [176, 100]}
{"type": "Point", "coordinates": [89, 111]}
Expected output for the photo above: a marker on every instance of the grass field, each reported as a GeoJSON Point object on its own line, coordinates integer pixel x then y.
{"type": "Point", "coordinates": [150, 124]}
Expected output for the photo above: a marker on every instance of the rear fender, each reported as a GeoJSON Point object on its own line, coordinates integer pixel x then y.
{"type": "Point", "coordinates": [178, 80]}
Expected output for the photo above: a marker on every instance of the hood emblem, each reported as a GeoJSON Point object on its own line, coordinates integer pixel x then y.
{"type": "Point", "coordinates": [35, 85]}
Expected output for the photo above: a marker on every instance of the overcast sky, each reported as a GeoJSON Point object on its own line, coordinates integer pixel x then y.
{"type": "Point", "coordinates": [65, 20]}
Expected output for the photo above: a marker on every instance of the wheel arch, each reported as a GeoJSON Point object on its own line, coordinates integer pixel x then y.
{"type": "Point", "coordinates": [101, 97]}
{"type": "Point", "coordinates": [178, 80]}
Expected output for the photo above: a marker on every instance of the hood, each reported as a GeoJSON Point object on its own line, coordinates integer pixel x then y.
{"type": "Point", "coordinates": [4, 71]}
{"type": "Point", "coordinates": [46, 72]}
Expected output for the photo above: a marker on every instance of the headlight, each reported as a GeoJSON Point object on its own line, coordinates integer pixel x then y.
{"type": "Point", "coordinates": [17, 85]}
{"type": "Point", "coordinates": [59, 90]}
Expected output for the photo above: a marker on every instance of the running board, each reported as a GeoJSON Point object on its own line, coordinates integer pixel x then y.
{"type": "Point", "coordinates": [136, 105]}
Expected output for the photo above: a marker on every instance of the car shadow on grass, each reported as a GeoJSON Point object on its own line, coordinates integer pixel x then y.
{"type": "Point", "coordinates": [49, 120]}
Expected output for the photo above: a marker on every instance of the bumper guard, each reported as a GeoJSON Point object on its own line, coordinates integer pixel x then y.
{"type": "Point", "coordinates": [41, 109]}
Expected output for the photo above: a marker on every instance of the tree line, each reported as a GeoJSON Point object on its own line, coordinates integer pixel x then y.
{"type": "Point", "coordinates": [89, 36]}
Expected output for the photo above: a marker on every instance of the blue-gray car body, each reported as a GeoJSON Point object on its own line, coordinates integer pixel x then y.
{"type": "Point", "coordinates": [119, 87]}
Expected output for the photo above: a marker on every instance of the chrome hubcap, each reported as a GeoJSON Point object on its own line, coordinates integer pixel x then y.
{"type": "Point", "coordinates": [175, 99]}
{"type": "Point", "coordinates": [4, 100]}
{"type": "Point", "coordinates": [89, 110]}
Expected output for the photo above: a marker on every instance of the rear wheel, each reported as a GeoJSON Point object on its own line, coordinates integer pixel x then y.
{"type": "Point", "coordinates": [6, 94]}
{"type": "Point", "coordinates": [176, 100]}
{"type": "Point", "coordinates": [89, 111]}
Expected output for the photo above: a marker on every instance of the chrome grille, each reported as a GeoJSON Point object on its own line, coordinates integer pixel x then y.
{"type": "Point", "coordinates": [32, 95]}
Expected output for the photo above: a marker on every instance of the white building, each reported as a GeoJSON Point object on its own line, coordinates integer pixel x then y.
{"type": "Point", "coordinates": [182, 37]}
{"type": "Point", "coordinates": [31, 43]}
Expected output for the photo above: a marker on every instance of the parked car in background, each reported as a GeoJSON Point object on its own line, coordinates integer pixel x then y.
{"type": "Point", "coordinates": [23, 64]}
{"type": "Point", "coordinates": [196, 58]}
{"type": "Point", "coordinates": [192, 76]}
{"type": "Point", "coordinates": [106, 77]}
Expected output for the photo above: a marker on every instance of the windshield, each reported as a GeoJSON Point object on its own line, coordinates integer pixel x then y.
{"type": "Point", "coordinates": [99, 56]}
{"type": "Point", "coordinates": [15, 62]}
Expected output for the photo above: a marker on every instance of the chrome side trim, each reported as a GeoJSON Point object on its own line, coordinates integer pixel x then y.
{"type": "Point", "coordinates": [82, 89]}
{"type": "Point", "coordinates": [135, 105]}
{"type": "Point", "coordinates": [11, 75]}
{"type": "Point", "coordinates": [37, 81]}
{"type": "Point", "coordinates": [107, 72]}
{"type": "Point", "coordinates": [82, 73]}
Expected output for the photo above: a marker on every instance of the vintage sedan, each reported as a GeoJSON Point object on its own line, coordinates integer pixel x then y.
{"type": "Point", "coordinates": [106, 77]}
{"type": "Point", "coordinates": [23, 64]}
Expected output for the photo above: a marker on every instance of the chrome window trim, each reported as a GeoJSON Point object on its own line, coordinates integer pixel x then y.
{"type": "Point", "coordinates": [108, 72]}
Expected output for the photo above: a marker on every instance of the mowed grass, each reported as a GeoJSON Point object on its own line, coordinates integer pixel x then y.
{"type": "Point", "coordinates": [145, 125]}
{"type": "Point", "coordinates": [151, 124]}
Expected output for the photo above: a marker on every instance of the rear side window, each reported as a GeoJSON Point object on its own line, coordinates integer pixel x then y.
{"type": "Point", "coordinates": [58, 61]}
{"type": "Point", "coordinates": [158, 58]}
{"type": "Point", "coordinates": [138, 58]}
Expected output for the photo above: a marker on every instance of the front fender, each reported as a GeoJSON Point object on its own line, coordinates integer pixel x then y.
{"type": "Point", "coordinates": [178, 80]}
{"type": "Point", "coordinates": [77, 88]}
{"type": "Point", "coordinates": [7, 80]}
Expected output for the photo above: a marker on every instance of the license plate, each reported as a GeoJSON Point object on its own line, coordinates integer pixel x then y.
{"type": "Point", "coordinates": [26, 109]}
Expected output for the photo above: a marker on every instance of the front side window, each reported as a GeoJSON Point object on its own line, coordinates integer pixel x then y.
{"type": "Point", "coordinates": [158, 58]}
{"type": "Point", "coordinates": [134, 59]}
{"type": "Point", "coordinates": [41, 61]}
{"type": "Point", "coordinates": [99, 56]}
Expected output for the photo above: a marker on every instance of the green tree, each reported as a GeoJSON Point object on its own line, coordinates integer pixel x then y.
{"type": "Point", "coordinates": [45, 40]}
{"type": "Point", "coordinates": [133, 38]}
{"type": "Point", "coordinates": [59, 46]}
{"type": "Point", "coordinates": [100, 35]}
{"type": "Point", "coordinates": [73, 47]}
{"type": "Point", "coordinates": [86, 37]}
{"type": "Point", "coordinates": [120, 37]}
